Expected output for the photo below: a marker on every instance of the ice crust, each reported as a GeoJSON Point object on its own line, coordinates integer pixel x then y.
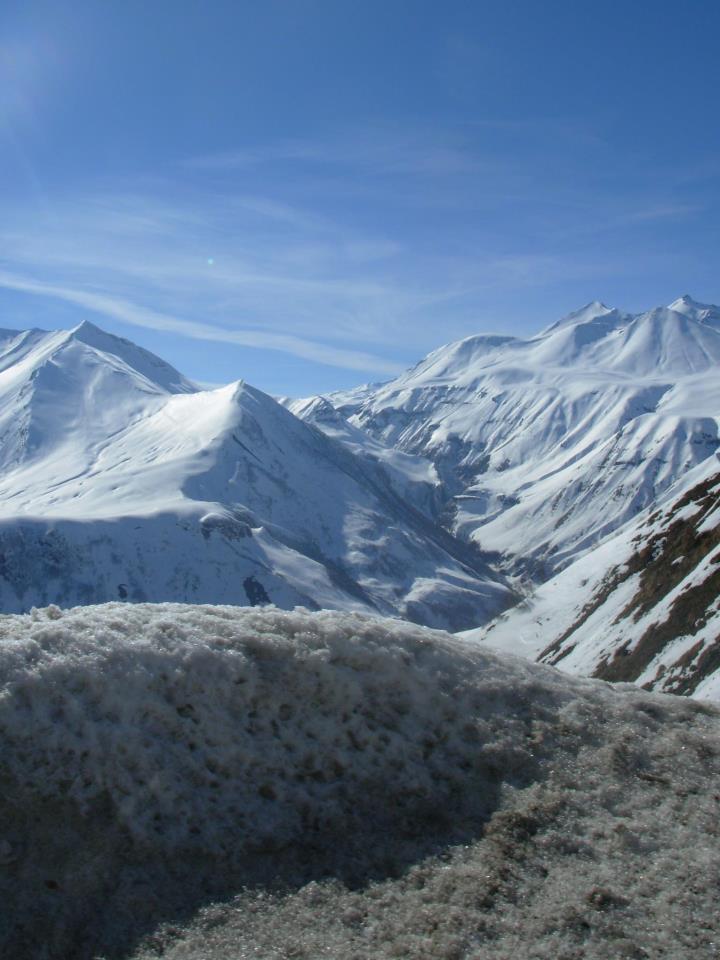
{"type": "Point", "coordinates": [219, 727]}
{"type": "Point", "coordinates": [363, 788]}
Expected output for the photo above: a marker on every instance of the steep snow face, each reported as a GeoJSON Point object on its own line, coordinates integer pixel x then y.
{"type": "Point", "coordinates": [119, 479]}
{"type": "Point", "coordinates": [644, 606]}
{"type": "Point", "coordinates": [662, 342]}
{"type": "Point", "coordinates": [63, 392]}
{"type": "Point", "coordinates": [414, 478]}
{"type": "Point", "coordinates": [545, 446]}
{"type": "Point", "coordinates": [365, 788]}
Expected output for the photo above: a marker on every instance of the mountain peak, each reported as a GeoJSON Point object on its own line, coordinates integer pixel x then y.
{"type": "Point", "coordinates": [86, 328]}
{"type": "Point", "coordinates": [595, 310]}
{"type": "Point", "coordinates": [706, 313]}
{"type": "Point", "coordinates": [686, 302]}
{"type": "Point", "coordinates": [144, 362]}
{"type": "Point", "coordinates": [596, 305]}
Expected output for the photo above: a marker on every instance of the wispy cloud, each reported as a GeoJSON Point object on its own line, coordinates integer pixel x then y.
{"type": "Point", "coordinates": [136, 315]}
{"type": "Point", "coordinates": [661, 211]}
{"type": "Point", "coordinates": [235, 259]}
{"type": "Point", "coordinates": [352, 250]}
{"type": "Point", "coordinates": [378, 151]}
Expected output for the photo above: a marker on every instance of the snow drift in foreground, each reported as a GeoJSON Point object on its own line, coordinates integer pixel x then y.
{"type": "Point", "coordinates": [339, 786]}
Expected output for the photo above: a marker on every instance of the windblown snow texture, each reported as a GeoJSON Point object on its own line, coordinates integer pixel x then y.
{"type": "Point", "coordinates": [362, 788]}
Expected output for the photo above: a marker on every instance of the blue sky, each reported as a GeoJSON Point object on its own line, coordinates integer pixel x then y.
{"type": "Point", "coordinates": [310, 195]}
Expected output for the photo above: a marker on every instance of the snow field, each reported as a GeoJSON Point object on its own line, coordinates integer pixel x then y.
{"type": "Point", "coordinates": [547, 446]}
{"type": "Point", "coordinates": [106, 452]}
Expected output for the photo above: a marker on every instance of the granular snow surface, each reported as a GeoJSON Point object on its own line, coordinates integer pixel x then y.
{"type": "Point", "coordinates": [210, 783]}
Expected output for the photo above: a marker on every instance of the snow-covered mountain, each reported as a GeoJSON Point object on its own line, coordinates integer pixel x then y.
{"type": "Point", "coordinates": [644, 606]}
{"type": "Point", "coordinates": [120, 479]}
{"type": "Point", "coordinates": [546, 445]}
{"type": "Point", "coordinates": [550, 470]}
{"type": "Point", "coordinates": [552, 452]}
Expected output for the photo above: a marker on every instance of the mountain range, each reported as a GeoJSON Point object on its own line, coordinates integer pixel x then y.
{"type": "Point", "coordinates": [584, 462]}
{"type": "Point", "coordinates": [119, 479]}
{"type": "Point", "coordinates": [556, 495]}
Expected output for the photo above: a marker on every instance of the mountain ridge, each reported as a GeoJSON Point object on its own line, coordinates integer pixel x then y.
{"type": "Point", "coordinates": [557, 401]}
{"type": "Point", "coordinates": [551, 449]}
{"type": "Point", "coordinates": [497, 468]}
{"type": "Point", "coordinates": [121, 479]}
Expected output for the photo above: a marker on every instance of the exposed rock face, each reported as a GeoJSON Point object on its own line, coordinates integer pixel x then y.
{"type": "Point", "coordinates": [668, 632]}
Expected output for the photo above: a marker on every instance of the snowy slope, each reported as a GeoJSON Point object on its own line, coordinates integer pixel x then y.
{"type": "Point", "coordinates": [413, 477]}
{"type": "Point", "coordinates": [340, 786]}
{"type": "Point", "coordinates": [493, 457]}
{"type": "Point", "coordinates": [554, 452]}
{"type": "Point", "coordinates": [702, 312]}
{"type": "Point", "coordinates": [63, 392]}
{"type": "Point", "coordinates": [547, 445]}
{"type": "Point", "coordinates": [644, 607]}
{"type": "Point", "coordinates": [119, 479]}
